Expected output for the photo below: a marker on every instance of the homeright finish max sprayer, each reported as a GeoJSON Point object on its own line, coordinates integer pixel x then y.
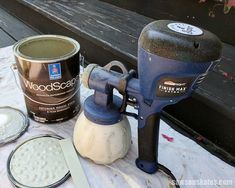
{"type": "Point", "coordinates": [173, 59]}
{"type": "Point", "coordinates": [48, 68]}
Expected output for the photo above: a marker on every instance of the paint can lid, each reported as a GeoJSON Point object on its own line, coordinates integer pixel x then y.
{"type": "Point", "coordinates": [13, 123]}
{"type": "Point", "coordinates": [38, 162]}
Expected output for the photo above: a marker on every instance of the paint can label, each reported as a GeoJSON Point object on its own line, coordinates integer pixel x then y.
{"type": "Point", "coordinates": [50, 77]}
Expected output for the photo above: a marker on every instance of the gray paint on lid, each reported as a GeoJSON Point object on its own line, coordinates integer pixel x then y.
{"type": "Point", "coordinates": [13, 123]}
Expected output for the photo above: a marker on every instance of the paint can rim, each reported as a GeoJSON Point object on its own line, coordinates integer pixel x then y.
{"type": "Point", "coordinates": [19, 55]}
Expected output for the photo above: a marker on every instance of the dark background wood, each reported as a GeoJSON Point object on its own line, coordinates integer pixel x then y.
{"type": "Point", "coordinates": [12, 29]}
{"type": "Point", "coordinates": [189, 11]}
{"type": "Point", "coordinates": [107, 32]}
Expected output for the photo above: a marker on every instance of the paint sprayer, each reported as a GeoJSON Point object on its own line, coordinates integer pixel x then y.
{"type": "Point", "coordinates": [173, 59]}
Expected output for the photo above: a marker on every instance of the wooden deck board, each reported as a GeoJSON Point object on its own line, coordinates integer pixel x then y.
{"type": "Point", "coordinates": [5, 39]}
{"type": "Point", "coordinates": [12, 29]}
{"type": "Point", "coordinates": [101, 23]}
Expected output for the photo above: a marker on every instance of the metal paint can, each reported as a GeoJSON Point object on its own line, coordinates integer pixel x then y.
{"type": "Point", "coordinates": [48, 68]}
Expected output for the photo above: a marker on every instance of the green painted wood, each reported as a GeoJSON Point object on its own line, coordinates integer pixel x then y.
{"type": "Point", "coordinates": [73, 162]}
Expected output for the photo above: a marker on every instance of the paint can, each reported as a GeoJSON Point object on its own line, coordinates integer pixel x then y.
{"type": "Point", "coordinates": [48, 68]}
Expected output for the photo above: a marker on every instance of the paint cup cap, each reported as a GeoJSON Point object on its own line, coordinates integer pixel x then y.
{"type": "Point", "coordinates": [13, 123]}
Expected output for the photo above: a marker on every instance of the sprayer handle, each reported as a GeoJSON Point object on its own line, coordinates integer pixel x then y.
{"type": "Point", "coordinates": [148, 144]}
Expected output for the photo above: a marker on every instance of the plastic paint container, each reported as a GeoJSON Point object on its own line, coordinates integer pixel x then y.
{"type": "Point", "coordinates": [48, 68]}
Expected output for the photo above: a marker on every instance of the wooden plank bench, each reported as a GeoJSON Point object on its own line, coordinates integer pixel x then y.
{"type": "Point", "coordinates": [12, 29]}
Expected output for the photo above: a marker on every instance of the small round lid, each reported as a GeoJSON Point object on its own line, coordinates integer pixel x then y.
{"type": "Point", "coordinates": [38, 162]}
{"type": "Point", "coordinates": [13, 123]}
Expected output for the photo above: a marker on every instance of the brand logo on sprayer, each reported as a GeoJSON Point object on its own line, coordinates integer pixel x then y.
{"type": "Point", "coordinates": [171, 83]}
{"type": "Point", "coordinates": [55, 86]}
{"type": "Point", "coordinates": [173, 86]}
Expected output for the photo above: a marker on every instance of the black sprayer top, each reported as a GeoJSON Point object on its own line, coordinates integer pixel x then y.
{"type": "Point", "coordinates": [180, 41]}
